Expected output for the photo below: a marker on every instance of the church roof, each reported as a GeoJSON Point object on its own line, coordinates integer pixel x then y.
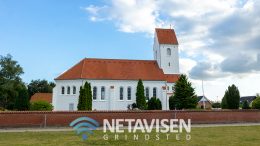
{"type": "Point", "coordinates": [166, 36]}
{"type": "Point", "coordinates": [117, 69]}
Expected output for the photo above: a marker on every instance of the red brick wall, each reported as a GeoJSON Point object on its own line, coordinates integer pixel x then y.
{"type": "Point", "coordinates": [30, 119]}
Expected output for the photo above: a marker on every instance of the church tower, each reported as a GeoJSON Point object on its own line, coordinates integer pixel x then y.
{"type": "Point", "coordinates": [166, 51]}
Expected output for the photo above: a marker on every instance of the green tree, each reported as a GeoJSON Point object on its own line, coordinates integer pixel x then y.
{"type": "Point", "coordinates": [140, 98]}
{"type": "Point", "coordinates": [22, 100]}
{"type": "Point", "coordinates": [184, 96]}
{"type": "Point", "coordinates": [224, 103]}
{"type": "Point", "coordinates": [89, 96]}
{"type": "Point", "coordinates": [85, 97]}
{"type": "Point", "coordinates": [154, 104]}
{"type": "Point", "coordinates": [256, 103]}
{"type": "Point", "coordinates": [41, 106]}
{"type": "Point", "coordinates": [231, 98]}
{"type": "Point", "coordinates": [10, 72]}
{"type": "Point", "coordinates": [245, 105]}
{"type": "Point", "coordinates": [40, 86]}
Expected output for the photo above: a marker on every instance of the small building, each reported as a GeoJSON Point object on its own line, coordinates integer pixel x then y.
{"type": "Point", "coordinates": [42, 97]}
{"type": "Point", "coordinates": [204, 101]}
{"type": "Point", "coordinates": [249, 99]}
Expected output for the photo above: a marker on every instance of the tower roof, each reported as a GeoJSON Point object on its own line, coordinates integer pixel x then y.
{"type": "Point", "coordinates": [166, 36]}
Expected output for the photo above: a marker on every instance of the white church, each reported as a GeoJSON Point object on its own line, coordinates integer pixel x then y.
{"type": "Point", "coordinates": [114, 81]}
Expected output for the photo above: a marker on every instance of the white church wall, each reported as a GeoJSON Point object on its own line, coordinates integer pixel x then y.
{"type": "Point", "coordinates": [112, 99]}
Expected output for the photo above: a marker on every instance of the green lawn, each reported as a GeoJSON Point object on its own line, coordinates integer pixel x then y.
{"type": "Point", "coordinates": [236, 136]}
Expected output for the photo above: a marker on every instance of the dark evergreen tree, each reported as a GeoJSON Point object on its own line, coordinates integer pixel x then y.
{"type": "Point", "coordinates": [232, 97]}
{"type": "Point", "coordinates": [245, 105]}
{"type": "Point", "coordinates": [82, 104]}
{"type": "Point", "coordinates": [85, 97]}
{"type": "Point", "coordinates": [184, 96]}
{"type": "Point", "coordinates": [89, 96]}
{"type": "Point", "coordinates": [224, 102]}
{"type": "Point", "coordinates": [22, 99]}
{"type": "Point", "coordinates": [140, 98]}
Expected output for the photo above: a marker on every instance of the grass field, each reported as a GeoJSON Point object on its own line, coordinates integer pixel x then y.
{"type": "Point", "coordinates": [212, 136]}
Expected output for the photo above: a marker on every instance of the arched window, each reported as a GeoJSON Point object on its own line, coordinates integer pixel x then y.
{"type": "Point", "coordinates": [62, 90]}
{"type": "Point", "coordinates": [154, 92]}
{"type": "Point", "coordinates": [121, 94]}
{"type": "Point", "coordinates": [68, 90]}
{"type": "Point", "coordinates": [129, 93]}
{"type": "Point", "coordinates": [74, 90]}
{"type": "Point", "coordinates": [169, 52]}
{"type": "Point", "coordinates": [103, 93]}
{"type": "Point", "coordinates": [94, 93]}
{"type": "Point", "coordinates": [147, 93]}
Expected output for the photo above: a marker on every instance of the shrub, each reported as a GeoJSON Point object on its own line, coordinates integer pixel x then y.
{"type": "Point", "coordinates": [245, 105]}
{"type": "Point", "coordinates": [41, 106]}
{"type": "Point", "coordinates": [256, 103]}
{"type": "Point", "coordinates": [132, 106]}
{"type": "Point", "coordinates": [154, 104]}
{"type": "Point", "coordinates": [216, 105]}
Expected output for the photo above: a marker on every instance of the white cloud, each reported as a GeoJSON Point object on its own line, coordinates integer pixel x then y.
{"type": "Point", "coordinates": [209, 33]}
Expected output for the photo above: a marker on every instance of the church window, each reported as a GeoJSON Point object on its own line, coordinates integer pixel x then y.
{"type": "Point", "coordinates": [147, 93]}
{"type": "Point", "coordinates": [129, 93]}
{"type": "Point", "coordinates": [68, 90]}
{"type": "Point", "coordinates": [94, 93]}
{"type": "Point", "coordinates": [154, 92]}
{"type": "Point", "coordinates": [103, 93]}
{"type": "Point", "coordinates": [62, 90]}
{"type": "Point", "coordinates": [169, 52]}
{"type": "Point", "coordinates": [74, 90]}
{"type": "Point", "coordinates": [121, 93]}
{"type": "Point", "coordinates": [169, 64]}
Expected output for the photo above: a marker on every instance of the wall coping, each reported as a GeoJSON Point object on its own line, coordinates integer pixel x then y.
{"type": "Point", "coordinates": [122, 111]}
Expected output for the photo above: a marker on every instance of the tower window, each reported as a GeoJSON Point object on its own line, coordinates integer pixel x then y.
{"type": "Point", "coordinates": [169, 64]}
{"type": "Point", "coordinates": [169, 52]}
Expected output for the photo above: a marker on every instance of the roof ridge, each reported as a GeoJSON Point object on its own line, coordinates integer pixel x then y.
{"type": "Point", "coordinates": [100, 59]}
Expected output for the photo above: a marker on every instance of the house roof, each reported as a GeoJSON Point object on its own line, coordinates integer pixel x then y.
{"type": "Point", "coordinates": [199, 98]}
{"type": "Point", "coordinates": [248, 98]}
{"type": "Point", "coordinates": [117, 69]}
{"type": "Point", "coordinates": [166, 36]}
{"type": "Point", "coordinates": [42, 97]}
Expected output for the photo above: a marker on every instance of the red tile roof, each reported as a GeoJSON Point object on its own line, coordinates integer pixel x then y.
{"type": "Point", "coordinates": [42, 97]}
{"type": "Point", "coordinates": [116, 69]}
{"type": "Point", "coordinates": [166, 36]}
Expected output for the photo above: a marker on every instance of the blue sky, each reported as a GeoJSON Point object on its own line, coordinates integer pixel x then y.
{"type": "Point", "coordinates": [219, 40]}
{"type": "Point", "coordinates": [48, 37]}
